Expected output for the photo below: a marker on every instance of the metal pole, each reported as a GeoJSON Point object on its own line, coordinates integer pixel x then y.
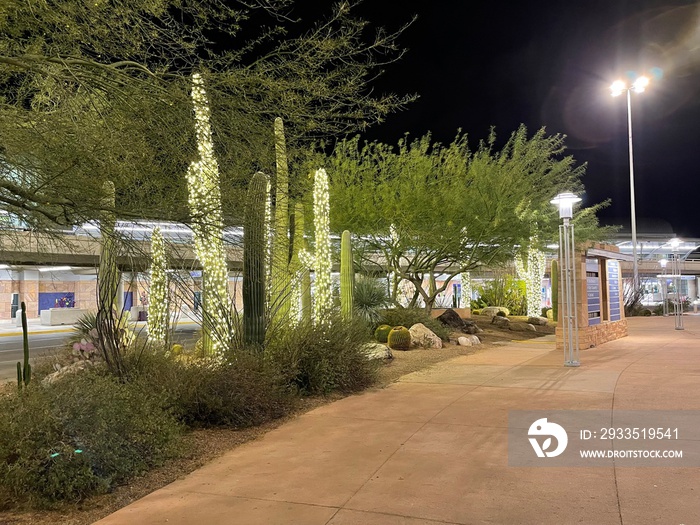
{"type": "Point", "coordinates": [570, 314]}
{"type": "Point", "coordinates": [635, 268]}
{"type": "Point", "coordinates": [678, 306]}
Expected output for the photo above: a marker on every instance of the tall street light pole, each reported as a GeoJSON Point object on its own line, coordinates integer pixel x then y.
{"type": "Point", "coordinates": [638, 86]}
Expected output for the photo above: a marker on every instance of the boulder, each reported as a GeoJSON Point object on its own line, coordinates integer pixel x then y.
{"type": "Point", "coordinates": [422, 336]}
{"type": "Point", "coordinates": [469, 340]}
{"type": "Point", "coordinates": [538, 321]}
{"type": "Point", "coordinates": [501, 322]}
{"type": "Point", "coordinates": [64, 371]}
{"type": "Point", "coordinates": [450, 318]}
{"type": "Point", "coordinates": [491, 311]}
{"type": "Point", "coordinates": [522, 327]}
{"type": "Point", "coordinates": [377, 351]}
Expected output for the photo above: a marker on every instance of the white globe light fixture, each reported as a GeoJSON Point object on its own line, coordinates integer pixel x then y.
{"type": "Point", "coordinates": [565, 202]}
{"type": "Point", "coordinates": [567, 262]}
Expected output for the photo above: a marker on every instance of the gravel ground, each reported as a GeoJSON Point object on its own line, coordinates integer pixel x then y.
{"type": "Point", "coordinates": [201, 446]}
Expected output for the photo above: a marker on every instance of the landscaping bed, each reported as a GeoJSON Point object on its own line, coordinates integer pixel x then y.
{"type": "Point", "coordinates": [200, 446]}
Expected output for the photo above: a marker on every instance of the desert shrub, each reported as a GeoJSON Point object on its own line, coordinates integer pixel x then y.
{"type": "Point", "coordinates": [242, 391]}
{"type": "Point", "coordinates": [123, 428]}
{"type": "Point", "coordinates": [370, 296]}
{"type": "Point", "coordinates": [409, 316]}
{"type": "Point", "coordinates": [505, 290]}
{"type": "Point", "coordinates": [81, 436]}
{"type": "Point", "coordinates": [319, 360]}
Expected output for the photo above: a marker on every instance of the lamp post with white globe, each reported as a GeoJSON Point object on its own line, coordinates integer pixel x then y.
{"type": "Point", "coordinates": [616, 89]}
{"type": "Point", "coordinates": [567, 262]}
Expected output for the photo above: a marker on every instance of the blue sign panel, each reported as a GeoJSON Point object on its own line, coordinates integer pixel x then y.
{"type": "Point", "coordinates": [593, 291]}
{"type": "Point", "coordinates": [613, 272]}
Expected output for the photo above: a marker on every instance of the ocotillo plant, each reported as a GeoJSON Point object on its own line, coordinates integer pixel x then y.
{"type": "Point", "coordinates": [254, 246]}
{"type": "Point", "coordinates": [347, 276]}
{"type": "Point", "coordinates": [555, 289]}
{"type": "Point", "coordinates": [24, 374]}
{"type": "Point", "coordinates": [280, 299]}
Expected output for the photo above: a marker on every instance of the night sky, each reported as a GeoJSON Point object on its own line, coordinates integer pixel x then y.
{"type": "Point", "coordinates": [550, 63]}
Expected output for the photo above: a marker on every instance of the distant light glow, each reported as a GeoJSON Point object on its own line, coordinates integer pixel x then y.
{"type": "Point", "coordinates": [55, 269]}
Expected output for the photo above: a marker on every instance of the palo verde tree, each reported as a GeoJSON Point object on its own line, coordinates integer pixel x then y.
{"type": "Point", "coordinates": [424, 209]}
{"type": "Point", "coordinates": [95, 91]}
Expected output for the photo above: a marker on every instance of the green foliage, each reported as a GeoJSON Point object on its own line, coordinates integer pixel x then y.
{"type": "Point", "coordinates": [238, 392]}
{"type": "Point", "coordinates": [280, 278]}
{"type": "Point", "coordinates": [254, 246]}
{"type": "Point", "coordinates": [505, 290]}
{"type": "Point", "coordinates": [423, 205]}
{"type": "Point", "coordinates": [399, 338]}
{"type": "Point", "coordinates": [118, 107]}
{"type": "Point", "coordinates": [24, 373]}
{"type": "Point", "coordinates": [410, 316]}
{"type": "Point", "coordinates": [369, 297]}
{"type": "Point", "coordinates": [381, 334]}
{"type": "Point", "coordinates": [319, 360]}
{"type": "Point", "coordinates": [81, 436]}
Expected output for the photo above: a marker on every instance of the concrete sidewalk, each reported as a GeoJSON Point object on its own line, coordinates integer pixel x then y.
{"type": "Point", "coordinates": [432, 448]}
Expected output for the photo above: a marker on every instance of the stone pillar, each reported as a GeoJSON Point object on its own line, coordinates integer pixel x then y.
{"type": "Point", "coordinates": [29, 291]}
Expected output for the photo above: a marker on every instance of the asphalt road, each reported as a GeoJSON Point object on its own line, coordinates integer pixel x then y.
{"type": "Point", "coordinates": [39, 344]}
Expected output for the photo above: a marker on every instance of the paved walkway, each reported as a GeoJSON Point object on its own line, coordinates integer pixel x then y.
{"type": "Point", "coordinates": [432, 449]}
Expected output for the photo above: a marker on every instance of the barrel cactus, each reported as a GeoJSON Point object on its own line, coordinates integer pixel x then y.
{"type": "Point", "coordinates": [399, 338]}
{"type": "Point", "coordinates": [381, 334]}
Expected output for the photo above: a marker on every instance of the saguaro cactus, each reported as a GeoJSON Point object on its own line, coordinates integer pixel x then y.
{"type": "Point", "coordinates": [555, 289]}
{"type": "Point", "coordinates": [24, 373]}
{"type": "Point", "coordinates": [254, 247]}
{"type": "Point", "coordinates": [280, 285]}
{"type": "Point", "coordinates": [347, 276]}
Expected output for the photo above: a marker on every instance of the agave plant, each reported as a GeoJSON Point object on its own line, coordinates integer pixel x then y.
{"type": "Point", "coordinates": [369, 297]}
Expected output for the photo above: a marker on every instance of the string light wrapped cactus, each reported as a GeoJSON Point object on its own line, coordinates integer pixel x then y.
{"type": "Point", "coordinates": [381, 334]}
{"type": "Point", "coordinates": [158, 304]}
{"type": "Point", "coordinates": [399, 338]}
{"type": "Point", "coordinates": [532, 272]}
{"type": "Point", "coordinates": [322, 258]}
{"type": "Point", "coordinates": [204, 199]}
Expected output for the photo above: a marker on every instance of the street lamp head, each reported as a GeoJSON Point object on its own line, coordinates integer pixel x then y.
{"type": "Point", "coordinates": [617, 88]}
{"type": "Point", "coordinates": [675, 243]}
{"type": "Point", "coordinates": [565, 202]}
{"type": "Point", "coordinates": [640, 84]}
{"type": "Point", "coordinates": [663, 262]}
